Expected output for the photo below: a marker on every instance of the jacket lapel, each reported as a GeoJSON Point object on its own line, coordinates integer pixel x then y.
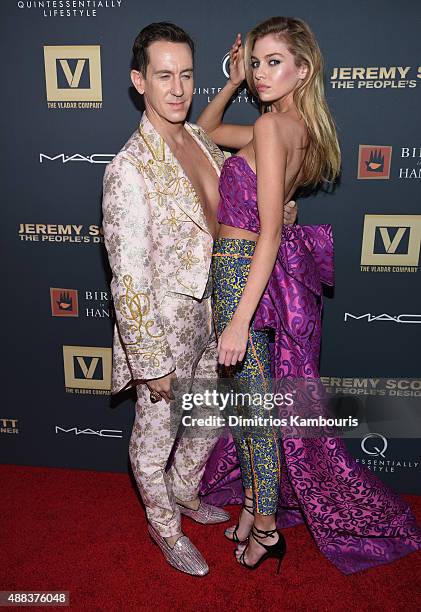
{"type": "Point", "coordinates": [195, 134]}
{"type": "Point", "coordinates": [168, 175]}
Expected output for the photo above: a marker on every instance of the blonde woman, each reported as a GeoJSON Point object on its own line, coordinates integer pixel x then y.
{"type": "Point", "coordinates": [267, 275]}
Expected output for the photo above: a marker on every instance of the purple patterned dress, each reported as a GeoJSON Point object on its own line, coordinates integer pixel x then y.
{"type": "Point", "coordinates": [355, 519]}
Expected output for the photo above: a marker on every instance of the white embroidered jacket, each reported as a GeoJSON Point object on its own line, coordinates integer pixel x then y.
{"type": "Point", "coordinates": [158, 241]}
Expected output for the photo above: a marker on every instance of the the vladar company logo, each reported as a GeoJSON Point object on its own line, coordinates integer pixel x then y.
{"type": "Point", "coordinates": [391, 243]}
{"type": "Point", "coordinates": [375, 77]}
{"type": "Point", "coordinates": [87, 369]}
{"type": "Point", "coordinates": [60, 233]}
{"type": "Point", "coordinates": [69, 8]}
{"type": "Point", "coordinates": [73, 77]}
{"type": "Point", "coordinates": [374, 161]}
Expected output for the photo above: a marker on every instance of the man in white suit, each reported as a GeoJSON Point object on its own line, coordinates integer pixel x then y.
{"type": "Point", "coordinates": [159, 205]}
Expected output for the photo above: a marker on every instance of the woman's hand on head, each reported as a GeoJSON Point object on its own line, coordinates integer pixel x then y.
{"type": "Point", "coordinates": [237, 68]}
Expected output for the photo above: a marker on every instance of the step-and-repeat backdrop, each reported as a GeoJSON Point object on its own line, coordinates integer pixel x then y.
{"type": "Point", "coordinates": [68, 107]}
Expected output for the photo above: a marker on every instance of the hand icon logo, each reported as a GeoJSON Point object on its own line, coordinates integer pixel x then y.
{"type": "Point", "coordinates": [375, 162]}
{"type": "Point", "coordinates": [65, 302]}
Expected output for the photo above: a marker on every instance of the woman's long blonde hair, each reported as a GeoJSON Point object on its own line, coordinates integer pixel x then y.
{"type": "Point", "coordinates": [323, 157]}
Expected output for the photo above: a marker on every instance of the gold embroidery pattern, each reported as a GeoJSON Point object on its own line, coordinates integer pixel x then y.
{"type": "Point", "coordinates": [151, 356]}
{"type": "Point", "coordinates": [166, 176]}
{"type": "Point", "coordinates": [214, 151]}
{"type": "Point", "coordinates": [168, 172]}
{"type": "Point", "coordinates": [174, 222]}
{"type": "Point", "coordinates": [189, 260]}
{"type": "Point", "coordinates": [134, 307]}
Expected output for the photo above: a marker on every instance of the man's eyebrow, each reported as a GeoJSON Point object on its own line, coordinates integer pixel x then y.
{"type": "Point", "coordinates": [171, 72]}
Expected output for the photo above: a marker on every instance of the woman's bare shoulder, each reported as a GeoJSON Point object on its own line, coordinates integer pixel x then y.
{"type": "Point", "coordinates": [286, 128]}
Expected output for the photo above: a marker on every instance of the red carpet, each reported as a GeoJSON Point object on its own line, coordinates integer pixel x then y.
{"type": "Point", "coordinates": [85, 532]}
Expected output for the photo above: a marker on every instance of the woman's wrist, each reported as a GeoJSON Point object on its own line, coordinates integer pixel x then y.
{"type": "Point", "coordinates": [241, 320]}
{"type": "Point", "coordinates": [232, 85]}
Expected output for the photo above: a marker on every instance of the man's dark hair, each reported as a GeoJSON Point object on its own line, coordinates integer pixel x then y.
{"type": "Point", "coordinates": [153, 32]}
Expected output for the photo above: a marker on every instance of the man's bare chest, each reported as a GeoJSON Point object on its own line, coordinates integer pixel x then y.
{"type": "Point", "coordinates": [203, 178]}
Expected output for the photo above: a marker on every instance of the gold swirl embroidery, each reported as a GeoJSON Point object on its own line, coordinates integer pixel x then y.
{"type": "Point", "coordinates": [134, 307]}
{"type": "Point", "coordinates": [164, 167]}
{"type": "Point", "coordinates": [168, 171]}
{"type": "Point", "coordinates": [174, 222]}
{"type": "Point", "coordinates": [157, 153]}
{"type": "Point", "coordinates": [189, 260]}
{"type": "Point", "coordinates": [151, 356]}
{"type": "Point", "coordinates": [215, 154]}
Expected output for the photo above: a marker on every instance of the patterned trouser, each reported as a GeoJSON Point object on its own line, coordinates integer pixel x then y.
{"type": "Point", "coordinates": [258, 451]}
{"type": "Point", "coordinates": [190, 334]}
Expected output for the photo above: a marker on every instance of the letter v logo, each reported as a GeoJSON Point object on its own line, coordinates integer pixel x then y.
{"type": "Point", "coordinates": [88, 372]}
{"type": "Point", "coordinates": [73, 79]}
{"type": "Point", "coordinates": [74, 61]}
{"type": "Point", "coordinates": [384, 234]}
{"type": "Point", "coordinates": [83, 363]}
{"type": "Point", "coordinates": [391, 245]}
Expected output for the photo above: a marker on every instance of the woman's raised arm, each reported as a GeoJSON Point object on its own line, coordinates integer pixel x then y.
{"type": "Point", "coordinates": [227, 135]}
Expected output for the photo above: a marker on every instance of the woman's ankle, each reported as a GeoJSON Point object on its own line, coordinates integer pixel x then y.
{"type": "Point", "coordinates": [265, 522]}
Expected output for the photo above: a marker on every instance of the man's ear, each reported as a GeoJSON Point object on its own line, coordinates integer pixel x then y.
{"type": "Point", "coordinates": [138, 81]}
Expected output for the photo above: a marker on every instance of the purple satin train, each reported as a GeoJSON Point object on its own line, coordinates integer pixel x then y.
{"type": "Point", "coordinates": [356, 520]}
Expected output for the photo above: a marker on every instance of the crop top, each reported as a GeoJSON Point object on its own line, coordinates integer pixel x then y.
{"type": "Point", "coordinates": [238, 195]}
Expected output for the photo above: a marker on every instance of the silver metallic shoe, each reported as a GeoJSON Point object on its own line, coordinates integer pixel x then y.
{"type": "Point", "coordinates": [184, 556]}
{"type": "Point", "coordinates": [205, 514]}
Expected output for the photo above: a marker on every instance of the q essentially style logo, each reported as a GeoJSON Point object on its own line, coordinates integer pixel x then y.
{"type": "Point", "coordinates": [374, 161]}
{"type": "Point", "coordinates": [374, 445]}
{"type": "Point", "coordinates": [87, 369]}
{"type": "Point", "coordinates": [391, 243]}
{"type": "Point", "coordinates": [73, 77]}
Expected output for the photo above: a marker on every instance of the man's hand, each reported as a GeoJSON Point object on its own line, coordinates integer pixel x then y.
{"type": "Point", "coordinates": [290, 213]}
{"type": "Point", "coordinates": [163, 386]}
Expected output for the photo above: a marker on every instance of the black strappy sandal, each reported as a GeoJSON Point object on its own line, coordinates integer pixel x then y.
{"type": "Point", "coordinates": [247, 508]}
{"type": "Point", "coordinates": [276, 550]}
